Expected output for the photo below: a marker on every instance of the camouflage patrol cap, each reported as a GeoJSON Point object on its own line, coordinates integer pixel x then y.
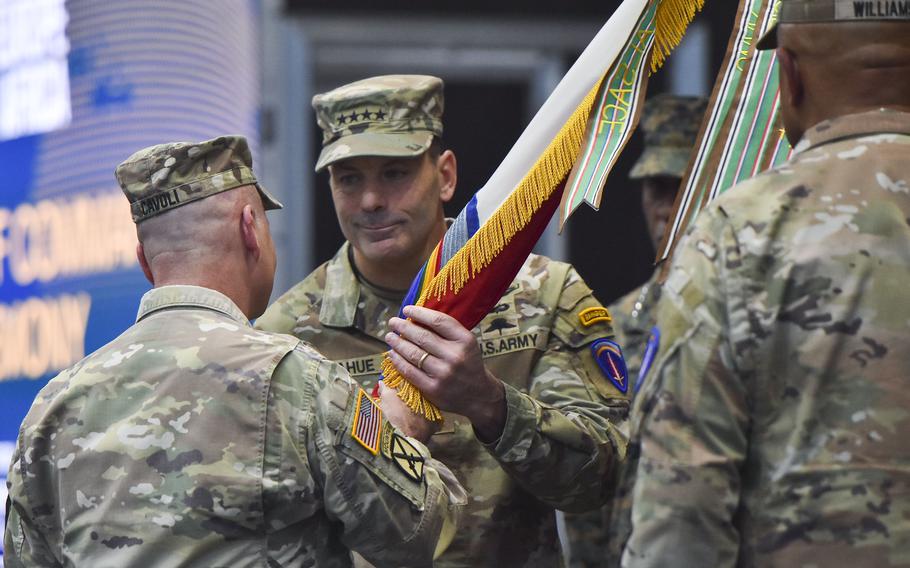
{"type": "Point", "coordinates": [816, 11]}
{"type": "Point", "coordinates": [160, 178]}
{"type": "Point", "coordinates": [670, 124]}
{"type": "Point", "coordinates": [391, 115]}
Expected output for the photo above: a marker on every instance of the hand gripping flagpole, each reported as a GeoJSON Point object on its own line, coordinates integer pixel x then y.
{"type": "Point", "coordinates": [485, 247]}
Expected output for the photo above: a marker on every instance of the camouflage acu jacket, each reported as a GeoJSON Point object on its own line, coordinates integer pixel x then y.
{"type": "Point", "coordinates": [563, 433]}
{"type": "Point", "coordinates": [194, 440]}
{"type": "Point", "coordinates": [773, 429]}
{"type": "Point", "coordinates": [596, 537]}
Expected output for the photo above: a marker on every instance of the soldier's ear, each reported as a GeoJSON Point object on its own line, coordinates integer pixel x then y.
{"type": "Point", "coordinates": [248, 232]}
{"type": "Point", "coordinates": [447, 167]}
{"type": "Point", "coordinates": [144, 263]}
{"type": "Point", "coordinates": [791, 80]}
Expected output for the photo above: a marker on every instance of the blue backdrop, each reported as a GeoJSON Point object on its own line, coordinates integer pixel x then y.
{"type": "Point", "coordinates": [84, 84]}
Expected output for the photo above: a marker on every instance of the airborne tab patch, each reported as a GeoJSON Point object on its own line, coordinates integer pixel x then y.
{"type": "Point", "coordinates": [367, 426]}
{"type": "Point", "coordinates": [608, 356]}
{"type": "Point", "coordinates": [590, 316]}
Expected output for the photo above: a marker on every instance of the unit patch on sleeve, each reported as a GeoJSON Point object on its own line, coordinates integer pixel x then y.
{"type": "Point", "coordinates": [367, 425]}
{"type": "Point", "coordinates": [407, 457]}
{"type": "Point", "coordinates": [608, 356]}
{"type": "Point", "coordinates": [648, 358]}
{"type": "Point", "coordinates": [590, 316]}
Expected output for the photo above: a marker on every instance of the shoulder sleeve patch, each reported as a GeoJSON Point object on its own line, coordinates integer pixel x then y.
{"type": "Point", "coordinates": [608, 356]}
{"type": "Point", "coordinates": [366, 426]}
{"type": "Point", "coordinates": [407, 457]}
{"type": "Point", "coordinates": [592, 315]}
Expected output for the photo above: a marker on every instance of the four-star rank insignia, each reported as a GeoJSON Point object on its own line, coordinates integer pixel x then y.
{"type": "Point", "coordinates": [407, 457]}
{"type": "Point", "coordinates": [367, 426]}
{"type": "Point", "coordinates": [364, 114]}
{"type": "Point", "coordinates": [608, 356]}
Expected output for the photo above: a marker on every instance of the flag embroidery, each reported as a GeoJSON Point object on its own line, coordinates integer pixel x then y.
{"type": "Point", "coordinates": [367, 426]}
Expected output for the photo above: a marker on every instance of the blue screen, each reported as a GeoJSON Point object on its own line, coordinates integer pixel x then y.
{"type": "Point", "coordinates": [84, 84]}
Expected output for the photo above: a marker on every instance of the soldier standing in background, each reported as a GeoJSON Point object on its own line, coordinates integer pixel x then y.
{"type": "Point", "coordinates": [534, 397]}
{"type": "Point", "coordinates": [670, 124]}
{"type": "Point", "coordinates": [194, 440]}
{"type": "Point", "coordinates": [773, 429]}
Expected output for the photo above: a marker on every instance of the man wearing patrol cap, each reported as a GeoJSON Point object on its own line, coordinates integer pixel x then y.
{"type": "Point", "coordinates": [194, 440]}
{"type": "Point", "coordinates": [530, 418]}
{"type": "Point", "coordinates": [670, 125]}
{"type": "Point", "coordinates": [773, 430]}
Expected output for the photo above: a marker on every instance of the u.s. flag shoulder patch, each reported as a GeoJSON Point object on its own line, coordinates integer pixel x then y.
{"type": "Point", "coordinates": [367, 424]}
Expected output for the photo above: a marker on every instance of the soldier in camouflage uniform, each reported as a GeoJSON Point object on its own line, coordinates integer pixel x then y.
{"type": "Point", "coordinates": [670, 124]}
{"type": "Point", "coordinates": [532, 419]}
{"type": "Point", "coordinates": [195, 440]}
{"type": "Point", "coordinates": [773, 430]}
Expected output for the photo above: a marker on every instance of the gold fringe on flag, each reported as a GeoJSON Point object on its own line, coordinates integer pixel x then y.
{"type": "Point", "coordinates": [671, 20]}
{"type": "Point", "coordinates": [407, 392]}
{"type": "Point", "coordinates": [519, 207]}
{"type": "Point", "coordinates": [492, 237]}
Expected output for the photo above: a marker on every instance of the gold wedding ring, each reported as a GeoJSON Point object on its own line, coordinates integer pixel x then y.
{"type": "Point", "coordinates": [422, 359]}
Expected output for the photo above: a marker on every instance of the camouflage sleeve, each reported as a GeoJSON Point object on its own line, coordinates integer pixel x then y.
{"type": "Point", "coordinates": [563, 440]}
{"type": "Point", "coordinates": [23, 540]}
{"type": "Point", "coordinates": [397, 506]}
{"type": "Point", "coordinates": [692, 419]}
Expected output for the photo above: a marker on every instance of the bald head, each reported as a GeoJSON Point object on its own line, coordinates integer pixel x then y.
{"type": "Point", "coordinates": [221, 242]}
{"type": "Point", "coordinates": [832, 69]}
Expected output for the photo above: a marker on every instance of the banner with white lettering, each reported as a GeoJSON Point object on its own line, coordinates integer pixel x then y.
{"type": "Point", "coordinates": [83, 84]}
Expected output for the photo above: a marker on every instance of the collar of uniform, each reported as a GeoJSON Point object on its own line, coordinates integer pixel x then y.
{"type": "Point", "coordinates": [167, 297]}
{"type": "Point", "coordinates": [881, 121]}
{"type": "Point", "coordinates": [342, 291]}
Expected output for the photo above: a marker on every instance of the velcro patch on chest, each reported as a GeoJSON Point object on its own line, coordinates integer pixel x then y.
{"type": "Point", "coordinates": [503, 319]}
{"type": "Point", "coordinates": [367, 423]}
{"type": "Point", "coordinates": [608, 356]}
